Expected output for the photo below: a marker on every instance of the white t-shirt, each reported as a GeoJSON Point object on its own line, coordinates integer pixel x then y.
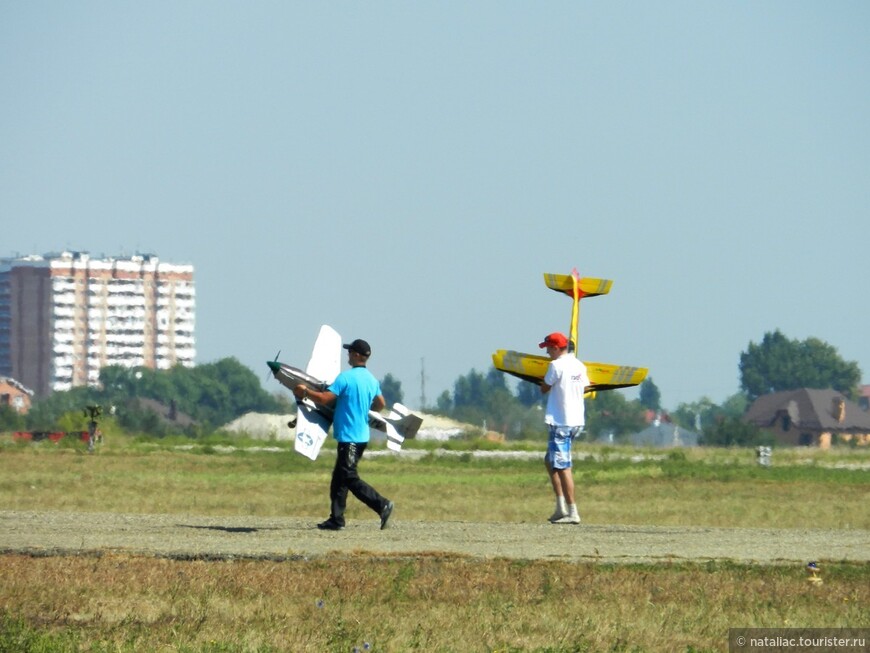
{"type": "Point", "coordinates": [567, 378]}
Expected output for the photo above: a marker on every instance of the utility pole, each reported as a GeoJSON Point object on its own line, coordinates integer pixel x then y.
{"type": "Point", "coordinates": [422, 384]}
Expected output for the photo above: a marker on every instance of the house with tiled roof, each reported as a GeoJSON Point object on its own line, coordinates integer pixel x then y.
{"type": "Point", "coordinates": [810, 417]}
{"type": "Point", "coordinates": [15, 395]}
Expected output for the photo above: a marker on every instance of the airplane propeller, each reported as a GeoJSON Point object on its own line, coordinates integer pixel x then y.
{"type": "Point", "coordinates": [292, 422]}
{"type": "Point", "coordinates": [275, 360]}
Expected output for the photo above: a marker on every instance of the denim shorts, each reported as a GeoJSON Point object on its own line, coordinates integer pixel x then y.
{"type": "Point", "coordinates": [559, 445]}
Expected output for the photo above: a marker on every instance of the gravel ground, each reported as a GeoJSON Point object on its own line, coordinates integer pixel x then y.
{"type": "Point", "coordinates": [193, 536]}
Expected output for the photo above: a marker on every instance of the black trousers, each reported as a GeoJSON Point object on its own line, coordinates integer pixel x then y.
{"type": "Point", "coordinates": [345, 477]}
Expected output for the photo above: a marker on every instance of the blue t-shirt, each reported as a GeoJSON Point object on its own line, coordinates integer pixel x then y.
{"type": "Point", "coordinates": [356, 389]}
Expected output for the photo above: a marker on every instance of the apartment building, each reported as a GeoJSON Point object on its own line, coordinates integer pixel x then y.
{"type": "Point", "coordinates": [64, 316]}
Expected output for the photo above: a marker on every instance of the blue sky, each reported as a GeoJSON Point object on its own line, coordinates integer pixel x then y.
{"type": "Point", "coordinates": [406, 172]}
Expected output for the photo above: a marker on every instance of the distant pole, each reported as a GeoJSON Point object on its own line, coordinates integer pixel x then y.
{"type": "Point", "coordinates": [422, 383]}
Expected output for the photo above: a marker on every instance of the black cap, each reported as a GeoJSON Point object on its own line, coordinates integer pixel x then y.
{"type": "Point", "coordinates": [361, 347]}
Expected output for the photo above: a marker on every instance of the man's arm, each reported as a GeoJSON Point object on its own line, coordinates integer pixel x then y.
{"type": "Point", "coordinates": [325, 398]}
{"type": "Point", "coordinates": [378, 403]}
{"type": "Point", "coordinates": [546, 387]}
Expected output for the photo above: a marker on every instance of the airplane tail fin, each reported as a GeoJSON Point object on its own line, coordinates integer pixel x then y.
{"type": "Point", "coordinates": [401, 424]}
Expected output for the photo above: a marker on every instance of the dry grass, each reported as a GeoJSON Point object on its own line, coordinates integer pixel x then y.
{"type": "Point", "coordinates": [431, 603]}
{"type": "Point", "coordinates": [121, 603]}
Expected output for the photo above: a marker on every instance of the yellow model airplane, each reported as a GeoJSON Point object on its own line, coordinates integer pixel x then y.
{"type": "Point", "coordinates": [602, 376]}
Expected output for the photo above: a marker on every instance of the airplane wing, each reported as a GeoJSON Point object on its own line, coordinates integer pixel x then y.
{"type": "Point", "coordinates": [325, 361]}
{"type": "Point", "coordinates": [311, 429]}
{"type": "Point", "coordinates": [312, 425]}
{"type": "Point", "coordinates": [603, 376]}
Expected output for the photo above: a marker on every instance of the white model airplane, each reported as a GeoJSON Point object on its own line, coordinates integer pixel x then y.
{"type": "Point", "coordinates": [313, 420]}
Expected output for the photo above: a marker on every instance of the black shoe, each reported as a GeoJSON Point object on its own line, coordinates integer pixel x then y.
{"type": "Point", "coordinates": [385, 514]}
{"type": "Point", "coordinates": [330, 525]}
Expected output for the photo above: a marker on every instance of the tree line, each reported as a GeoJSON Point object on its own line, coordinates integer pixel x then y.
{"type": "Point", "coordinates": [775, 364]}
{"type": "Point", "coordinates": [214, 394]}
{"type": "Point", "coordinates": [211, 395]}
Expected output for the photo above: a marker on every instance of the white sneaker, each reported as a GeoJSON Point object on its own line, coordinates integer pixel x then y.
{"type": "Point", "coordinates": [568, 519]}
{"type": "Point", "coordinates": [556, 516]}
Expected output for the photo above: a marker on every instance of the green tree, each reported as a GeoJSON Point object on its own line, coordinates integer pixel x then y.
{"type": "Point", "coordinates": [186, 387]}
{"type": "Point", "coordinates": [696, 415]}
{"type": "Point", "coordinates": [473, 389]}
{"type": "Point", "coordinates": [502, 411]}
{"type": "Point", "coordinates": [119, 381]}
{"type": "Point", "coordinates": [469, 398]}
{"type": "Point", "coordinates": [45, 413]}
{"type": "Point", "coordinates": [650, 397]}
{"type": "Point", "coordinates": [391, 388]}
{"type": "Point", "coordinates": [486, 400]}
{"type": "Point", "coordinates": [733, 432]}
{"type": "Point", "coordinates": [216, 393]}
{"type": "Point", "coordinates": [778, 363]}
{"type": "Point", "coordinates": [154, 384]}
{"type": "Point", "coordinates": [611, 413]}
{"type": "Point", "coordinates": [529, 394]}
{"type": "Point", "coordinates": [735, 405]}
{"type": "Point", "coordinates": [245, 391]}
{"type": "Point", "coordinates": [136, 418]}
{"type": "Point", "coordinates": [212, 394]}
{"type": "Point", "coordinates": [10, 419]}
{"type": "Point", "coordinates": [444, 404]}
{"type": "Point", "coordinates": [704, 413]}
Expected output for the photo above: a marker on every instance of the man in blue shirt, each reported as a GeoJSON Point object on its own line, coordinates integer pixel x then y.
{"type": "Point", "coordinates": [353, 393]}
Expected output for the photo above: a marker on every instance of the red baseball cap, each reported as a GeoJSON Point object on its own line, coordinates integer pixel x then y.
{"type": "Point", "coordinates": [555, 339]}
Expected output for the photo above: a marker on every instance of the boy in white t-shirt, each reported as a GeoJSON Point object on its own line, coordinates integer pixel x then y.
{"type": "Point", "coordinates": [566, 381]}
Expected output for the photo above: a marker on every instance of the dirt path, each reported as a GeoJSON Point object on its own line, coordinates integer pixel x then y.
{"type": "Point", "coordinates": [192, 536]}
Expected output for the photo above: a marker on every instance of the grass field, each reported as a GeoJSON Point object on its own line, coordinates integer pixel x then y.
{"type": "Point", "coordinates": [433, 602]}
